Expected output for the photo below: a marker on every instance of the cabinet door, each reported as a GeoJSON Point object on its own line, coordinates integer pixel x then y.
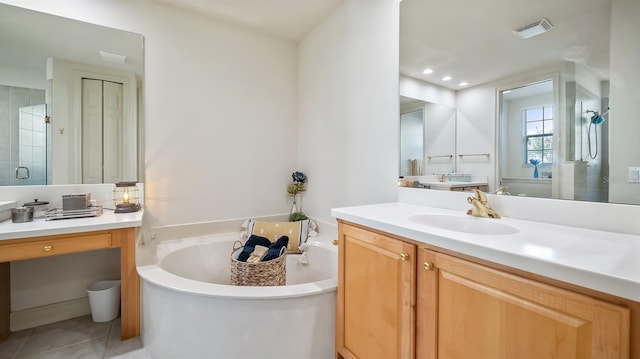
{"type": "Point", "coordinates": [376, 290]}
{"type": "Point", "coordinates": [466, 310]}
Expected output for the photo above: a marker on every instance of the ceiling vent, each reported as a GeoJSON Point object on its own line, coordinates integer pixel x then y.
{"type": "Point", "coordinates": [531, 30]}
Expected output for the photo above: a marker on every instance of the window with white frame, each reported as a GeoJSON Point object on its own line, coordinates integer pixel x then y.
{"type": "Point", "coordinates": [538, 125]}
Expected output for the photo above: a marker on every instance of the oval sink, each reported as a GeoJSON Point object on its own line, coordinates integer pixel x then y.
{"type": "Point", "coordinates": [466, 224]}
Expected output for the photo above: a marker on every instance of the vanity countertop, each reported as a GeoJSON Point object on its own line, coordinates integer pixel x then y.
{"type": "Point", "coordinates": [604, 261]}
{"type": "Point", "coordinates": [453, 184]}
{"type": "Point", "coordinates": [40, 227]}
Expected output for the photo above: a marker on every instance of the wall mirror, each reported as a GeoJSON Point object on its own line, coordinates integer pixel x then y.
{"type": "Point", "coordinates": [69, 100]}
{"type": "Point", "coordinates": [562, 76]}
{"type": "Point", "coordinates": [427, 138]}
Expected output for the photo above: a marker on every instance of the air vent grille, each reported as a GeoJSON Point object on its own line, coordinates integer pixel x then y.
{"type": "Point", "coordinates": [536, 28]}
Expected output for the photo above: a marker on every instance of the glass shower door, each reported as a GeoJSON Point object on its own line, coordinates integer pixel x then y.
{"type": "Point", "coordinates": [32, 146]}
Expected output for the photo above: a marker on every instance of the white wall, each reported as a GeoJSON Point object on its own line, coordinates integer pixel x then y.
{"type": "Point", "coordinates": [476, 131]}
{"type": "Point", "coordinates": [624, 125]}
{"type": "Point", "coordinates": [220, 130]}
{"type": "Point", "coordinates": [348, 108]}
{"type": "Point", "coordinates": [411, 141]}
{"type": "Point", "coordinates": [220, 110]}
{"type": "Point", "coordinates": [425, 91]}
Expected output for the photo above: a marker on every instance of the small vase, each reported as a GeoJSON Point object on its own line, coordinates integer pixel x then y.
{"type": "Point", "coordinates": [535, 172]}
{"type": "Point", "coordinates": [294, 205]}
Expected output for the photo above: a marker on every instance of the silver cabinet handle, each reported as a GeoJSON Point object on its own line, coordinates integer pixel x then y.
{"type": "Point", "coordinates": [18, 176]}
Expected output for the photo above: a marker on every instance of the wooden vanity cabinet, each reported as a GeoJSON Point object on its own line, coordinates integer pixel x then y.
{"type": "Point", "coordinates": [437, 305]}
{"type": "Point", "coordinates": [375, 315]}
{"type": "Point", "coordinates": [467, 310]}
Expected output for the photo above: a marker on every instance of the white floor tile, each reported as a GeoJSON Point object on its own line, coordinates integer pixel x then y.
{"type": "Point", "coordinates": [62, 334]}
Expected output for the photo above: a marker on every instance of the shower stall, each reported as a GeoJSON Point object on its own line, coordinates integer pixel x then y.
{"type": "Point", "coordinates": [591, 142]}
{"type": "Point", "coordinates": [24, 132]}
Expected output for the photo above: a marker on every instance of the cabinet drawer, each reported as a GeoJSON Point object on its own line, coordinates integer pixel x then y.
{"type": "Point", "coordinates": [48, 246]}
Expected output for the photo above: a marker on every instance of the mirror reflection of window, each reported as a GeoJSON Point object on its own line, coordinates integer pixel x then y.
{"type": "Point", "coordinates": [538, 124]}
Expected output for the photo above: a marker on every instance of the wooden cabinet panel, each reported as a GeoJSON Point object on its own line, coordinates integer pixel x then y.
{"type": "Point", "coordinates": [466, 310]}
{"type": "Point", "coordinates": [52, 245]}
{"type": "Point", "coordinates": [376, 286]}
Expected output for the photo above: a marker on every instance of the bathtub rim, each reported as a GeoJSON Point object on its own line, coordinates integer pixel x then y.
{"type": "Point", "coordinates": [155, 275]}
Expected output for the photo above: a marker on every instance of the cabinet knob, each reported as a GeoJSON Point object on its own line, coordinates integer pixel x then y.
{"type": "Point", "coordinates": [47, 248]}
{"type": "Point", "coordinates": [335, 242]}
{"type": "Point", "coordinates": [427, 265]}
{"type": "Point", "coordinates": [404, 256]}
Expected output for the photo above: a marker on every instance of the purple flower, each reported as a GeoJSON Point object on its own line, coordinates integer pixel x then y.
{"type": "Point", "coordinates": [299, 177]}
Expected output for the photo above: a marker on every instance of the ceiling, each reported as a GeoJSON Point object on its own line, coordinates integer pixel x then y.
{"type": "Point", "coordinates": [291, 19]}
{"type": "Point", "coordinates": [468, 40]}
{"type": "Point", "coordinates": [472, 41]}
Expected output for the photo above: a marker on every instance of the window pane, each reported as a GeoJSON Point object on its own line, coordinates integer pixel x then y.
{"type": "Point", "coordinates": [534, 128]}
{"type": "Point", "coordinates": [548, 113]}
{"type": "Point", "coordinates": [534, 114]}
{"type": "Point", "coordinates": [534, 155]}
{"type": "Point", "coordinates": [548, 157]}
{"type": "Point", "coordinates": [534, 143]}
{"type": "Point", "coordinates": [548, 126]}
{"type": "Point", "coordinates": [547, 142]}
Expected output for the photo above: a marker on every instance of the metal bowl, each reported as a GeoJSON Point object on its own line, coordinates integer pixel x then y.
{"type": "Point", "coordinates": [21, 214]}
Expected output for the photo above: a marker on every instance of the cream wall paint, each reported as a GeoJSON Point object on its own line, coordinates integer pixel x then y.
{"type": "Point", "coordinates": [348, 107]}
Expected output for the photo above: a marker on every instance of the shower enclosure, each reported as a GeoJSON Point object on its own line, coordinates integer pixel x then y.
{"type": "Point", "coordinates": [24, 133]}
{"type": "Point", "coordinates": [591, 143]}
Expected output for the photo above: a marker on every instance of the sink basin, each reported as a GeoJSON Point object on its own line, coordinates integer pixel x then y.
{"type": "Point", "coordinates": [466, 224]}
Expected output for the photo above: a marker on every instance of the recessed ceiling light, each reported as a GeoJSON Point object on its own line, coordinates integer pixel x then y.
{"type": "Point", "coordinates": [446, 78]}
{"type": "Point", "coordinates": [463, 83]}
{"type": "Point", "coordinates": [427, 71]}
{"type": "Point", "coordinates": [541, 26]}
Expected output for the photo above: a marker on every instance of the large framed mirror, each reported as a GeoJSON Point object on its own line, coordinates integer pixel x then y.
{"type": "Point", "coordinates": [579, 64]}
{"type": "Point", "coordinates": [70, 96]}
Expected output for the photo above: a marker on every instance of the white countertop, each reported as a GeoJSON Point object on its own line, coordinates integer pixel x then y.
{"type": "Point", "coordinates": [40, 227]}
{"type": "Point", "coordinates": [450, 184]}
{"type": "Point", "coordinates": [604, 261]}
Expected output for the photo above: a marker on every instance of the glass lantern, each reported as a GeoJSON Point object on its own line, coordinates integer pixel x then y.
{"type": "Point", "coordinates": [126, 197]}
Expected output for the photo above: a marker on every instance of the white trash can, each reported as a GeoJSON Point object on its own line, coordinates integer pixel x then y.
{"type": "Point", "coordinates": [104, 300]}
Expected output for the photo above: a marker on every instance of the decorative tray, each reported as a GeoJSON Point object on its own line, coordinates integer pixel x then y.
{"type": "Point", "coordinates": [59, 213]}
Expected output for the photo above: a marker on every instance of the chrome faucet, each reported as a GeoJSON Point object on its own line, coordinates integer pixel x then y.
{"type": "Point", "coordinates": [443, 177]}
{"type": "Point", "coordinates": [480, 206]}
{"type": "Point", "coordinates": [502, 190]}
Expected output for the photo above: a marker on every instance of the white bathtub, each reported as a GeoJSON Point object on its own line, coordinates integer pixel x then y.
{"type": "Point", "coordinates": [190, 311]}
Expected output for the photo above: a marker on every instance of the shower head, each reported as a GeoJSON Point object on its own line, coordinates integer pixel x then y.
{"type": "Point", "coordinates": [597, 118]}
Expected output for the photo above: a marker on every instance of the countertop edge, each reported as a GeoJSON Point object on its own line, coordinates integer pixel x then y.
{"type": "Point", "coordinates": [602, 282]}
{"type": "Point", "coordinates": [40, 227]}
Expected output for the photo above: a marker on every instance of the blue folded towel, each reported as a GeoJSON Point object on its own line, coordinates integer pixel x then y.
{"type": "Point", "coordinates": [250, 245]}
{"type": "Point", "coordinates": [276, 248]}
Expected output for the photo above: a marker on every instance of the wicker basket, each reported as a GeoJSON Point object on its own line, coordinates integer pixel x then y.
{"type": "Point", "coordinates": [269, 273]}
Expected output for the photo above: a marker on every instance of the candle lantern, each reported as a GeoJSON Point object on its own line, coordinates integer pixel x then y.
{"type": "Point", "coordinates": [126, 197]}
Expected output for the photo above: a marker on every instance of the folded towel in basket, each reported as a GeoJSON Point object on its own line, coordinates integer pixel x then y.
{"type": "Point", "coordinates": [250, 245]}
{"type": "Point", "coordinates": [276, 249]}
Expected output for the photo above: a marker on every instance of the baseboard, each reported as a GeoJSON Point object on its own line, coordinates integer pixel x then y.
{"type": "Point", "coordinates": [47, 314]}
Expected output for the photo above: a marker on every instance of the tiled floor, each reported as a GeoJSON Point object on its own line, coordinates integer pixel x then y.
{"type": "Point", "coordinates": [74, 338]}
